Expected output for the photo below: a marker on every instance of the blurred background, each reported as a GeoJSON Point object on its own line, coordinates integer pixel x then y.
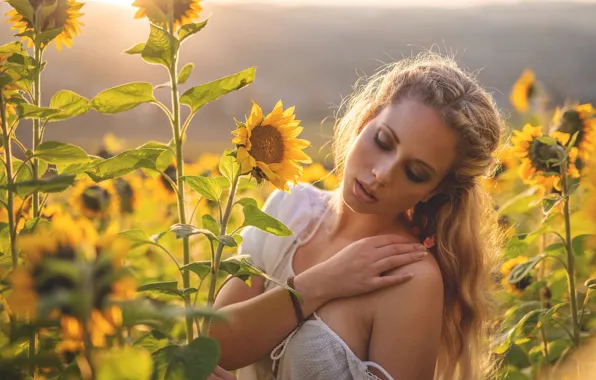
{"type": "Point", "coordinates": [309, 54]}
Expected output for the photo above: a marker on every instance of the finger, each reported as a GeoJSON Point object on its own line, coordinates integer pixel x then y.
{"type": "Point", "coordinates": [383, 240]}
{"type": "Point", "coordinates": [223, 374]}
{"type": "Point", "coordinates": [396, 279]}
{"type": "Point", "coordinates": [398, 249]}
{"type": "Point", "coordinates": [214, 377]}
{"type": "Point", "coordinates": [392, 262]}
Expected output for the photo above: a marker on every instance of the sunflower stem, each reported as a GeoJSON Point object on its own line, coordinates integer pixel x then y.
{"type": "Point", "coordinates": [570, 256]}
{"type": "Point", "coordinates": [178, 139]}
{"type": "Point", "coordinates": [220, 246]}
{"type": "Point", "coordinates": [543, 300]}
{"type": "Point", "coordinates": [10, 201]}
{"type": "Point", "coordinates": [38, 53]}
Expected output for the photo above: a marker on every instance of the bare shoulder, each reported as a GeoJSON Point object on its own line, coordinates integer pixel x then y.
{"type": "Point", "coordinates": [426, 287]}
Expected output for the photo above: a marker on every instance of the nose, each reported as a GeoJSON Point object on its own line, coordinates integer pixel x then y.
{"type": "Point", "coordinates": [382, 173]}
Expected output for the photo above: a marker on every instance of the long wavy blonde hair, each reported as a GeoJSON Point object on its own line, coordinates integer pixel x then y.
{"type": "Point", "coordinates": [461, 217]}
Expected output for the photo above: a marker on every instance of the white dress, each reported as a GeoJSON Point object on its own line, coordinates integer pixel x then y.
{"type": "Point", "coordinates": [313, 351]}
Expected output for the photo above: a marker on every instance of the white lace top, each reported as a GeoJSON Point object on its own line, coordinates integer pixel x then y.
{"type": "Point", "coordinates": [313, 351]}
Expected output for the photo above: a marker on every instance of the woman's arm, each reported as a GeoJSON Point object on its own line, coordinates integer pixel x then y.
{"type": "Point", "coordinates": [257, 321]}
{"type": "Point", "coordinates": [407, 325]}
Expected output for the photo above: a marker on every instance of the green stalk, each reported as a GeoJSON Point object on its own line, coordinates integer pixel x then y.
{"type": "Point", "coordinates": [570, 257]}
{"type": "Point", "coordinates": [218, 253]}
{"type": "Point", "coordinates": [180, 183]}
{"type": "Point", "coordinates": [38, 53]}
{"type": "Point", "coordinates": [543, 301]}
{"type": "Point", "coordinates": [8, 160]}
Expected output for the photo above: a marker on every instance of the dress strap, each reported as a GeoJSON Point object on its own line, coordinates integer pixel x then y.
{"type": "Point", "coordinates": [279, 351]}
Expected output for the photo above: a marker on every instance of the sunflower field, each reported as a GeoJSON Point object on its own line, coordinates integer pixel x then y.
{"type": "Point", "coordinates": [109, 262]}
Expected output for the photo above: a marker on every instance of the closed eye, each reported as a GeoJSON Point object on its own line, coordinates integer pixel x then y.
{"type": "Point", "coordinates": [380, 142]}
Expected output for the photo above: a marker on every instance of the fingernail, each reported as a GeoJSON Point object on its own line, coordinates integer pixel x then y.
{"type": "Point", "coordinates": [409, 275]}
{"type": "Point", "coordinates": [422, 247]}
{"type": "Point", "coordinates": [421, 254]}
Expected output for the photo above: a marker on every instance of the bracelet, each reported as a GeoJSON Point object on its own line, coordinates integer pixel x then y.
{"type": "Point", "coordinates": [295, 301]}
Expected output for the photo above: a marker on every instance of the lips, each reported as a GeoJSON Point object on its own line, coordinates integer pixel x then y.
{"type": "Point", "coordinates": [364, 194]}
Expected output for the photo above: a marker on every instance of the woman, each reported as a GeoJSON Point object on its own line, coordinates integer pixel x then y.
{"type": "Point", "coordinates": [410, 148]}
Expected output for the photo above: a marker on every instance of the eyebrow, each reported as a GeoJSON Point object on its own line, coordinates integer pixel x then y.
{"type": "Point", "coordinates": [430, 168]}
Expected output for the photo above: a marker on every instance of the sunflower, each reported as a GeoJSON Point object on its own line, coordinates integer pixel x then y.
{"type": "Point", "coordinates": [95, 200]}
{"type": "Point", "coordinates": [500, 180]}
{"type": "Point", "coordinates": [579, 119]}
{"type": "Point", "coordinates": [185, 11]}
{"type": "Point", "coordinates": [522, 91]}
{"type": "Point", "coordinates": [129, 190]}
{"type": "Point", "coordinates": [536, 157]}
{"type": "Point", "coordinates": [65, 16]}
{"type": "Point", "coordinates": [319, 177]}
{"type": "Point", "coordinates": [268, 147]}
{"type": "Point", "coordinates": [100, 324]}
{"type": "Point", "coordinates": [506, 269]}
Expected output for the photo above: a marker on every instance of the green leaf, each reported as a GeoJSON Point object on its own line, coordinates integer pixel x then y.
{"type": "Point", "coordinates": [207, 187]}
{"type": "Point", "coordinates": [30, 111]}
{"type": "Point", "coordinates": [70, 103]}
{"type": "Point", "coordinates": [578, 243]}
{"type": "Point", "coordinates": [52, 185]}
{"type": "Point", "coordinates": [186, 230]}
{"type": "Point", "coordinates": [573, 185]}
{"type": "Point", "coordinates": [520, 203]}
{"type": "Point", "coordinates": [198, 96]}
{"type": "Point", "coordinates": [550, 313]}
{"type": "Point", "coordinates": [153, 340]}
{"type": "Point", "coordinates": [23, 7]}
{"type": "Point", "coordinates": [160, 47]}
{"type": "Point", "coordinates": [34, 224]}
{"type": "Point", "coordinates": [188, 30]}
{"type": "Point", "coordinates": [194, 361]}
{"type": "Point", "coordinates": [208, 222]}
{"type": "Point", "coordinates": [165, 158]}
{"type": "Point", "coordinates": [128, 363]}
{"type": "Point", "coordinates": [162, 359]}
{"type": "Point", "coordinates": [164, 287]}
{"type": "Point", "coordinates": [200, 268]}
{"type": "Point", "coordinates": [124, 163]}
{"type": "Point", "coordinates": [137, 49]}
{"type": "Point", "coordinates": [548, 204]}
{"type": "Point", "coordinates": [512, 334]}
{"type": "Point", "coordinates": [591, 283]}
{"type": "Point", "coordinates": [522, 270]}
{"type": "Point", "coordinates": [228, 165]}
{"type": "Point", "coordinates": [45, 37]}
{"type": "Point", "coordinates": [185, 72]}
{"type": "Point", "coordinates": [253, 216]}
{"type": "Point", "coordinates": [557, 348]}
{"type": "Point", "coordinates": [56, 152]}
{"type": "Point", "coordinates": [555, 247]}
{"type": "Point", "coordinates": [227, 240]}
{"type": "Point", "coordinates": [123, 98]}
{"type": "Point", "coordinates": [137, 238]}
{"type": "Point", "coordinates": [151, 312]}
{"type": "Point", "coordinates": [247, 201]}
{"type": "Point", "coordinates": [547, 140]}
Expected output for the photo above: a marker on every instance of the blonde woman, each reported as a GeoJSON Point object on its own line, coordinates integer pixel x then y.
{"type": "Point", "coordinates": [410, 148]}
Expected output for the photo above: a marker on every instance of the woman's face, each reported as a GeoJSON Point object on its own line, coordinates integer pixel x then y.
{"type": "Point", "coordinates": [399, 159]}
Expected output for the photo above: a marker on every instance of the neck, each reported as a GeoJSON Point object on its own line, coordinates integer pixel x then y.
{"type": "Point", "coordinates": [351, 225]}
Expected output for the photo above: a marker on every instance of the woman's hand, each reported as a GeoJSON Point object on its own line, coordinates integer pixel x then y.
{"type": "Point", "coordinates": [360, 267]}
{"type": "Point", "coordinates": [221, 374]}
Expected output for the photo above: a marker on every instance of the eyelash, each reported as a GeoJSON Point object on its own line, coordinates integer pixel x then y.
{"type": "Point", "coordinates": [413, 177]}
{"type": "Point", "coordinates": [380, 144]}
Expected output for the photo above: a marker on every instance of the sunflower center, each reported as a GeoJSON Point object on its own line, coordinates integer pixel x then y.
{"type": "Point", "coordinates": [126, 194]}
{"type": "Point", "coordinates": [523, 283]}
{"type": "Point", "coordinates": [543, 156]}
{"type": "Point", "coordinates": [267, 144]}
{"type": "Point", "coordinates": [96, 198]}
{"type": "Point", "coordinates": [571, 122]}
